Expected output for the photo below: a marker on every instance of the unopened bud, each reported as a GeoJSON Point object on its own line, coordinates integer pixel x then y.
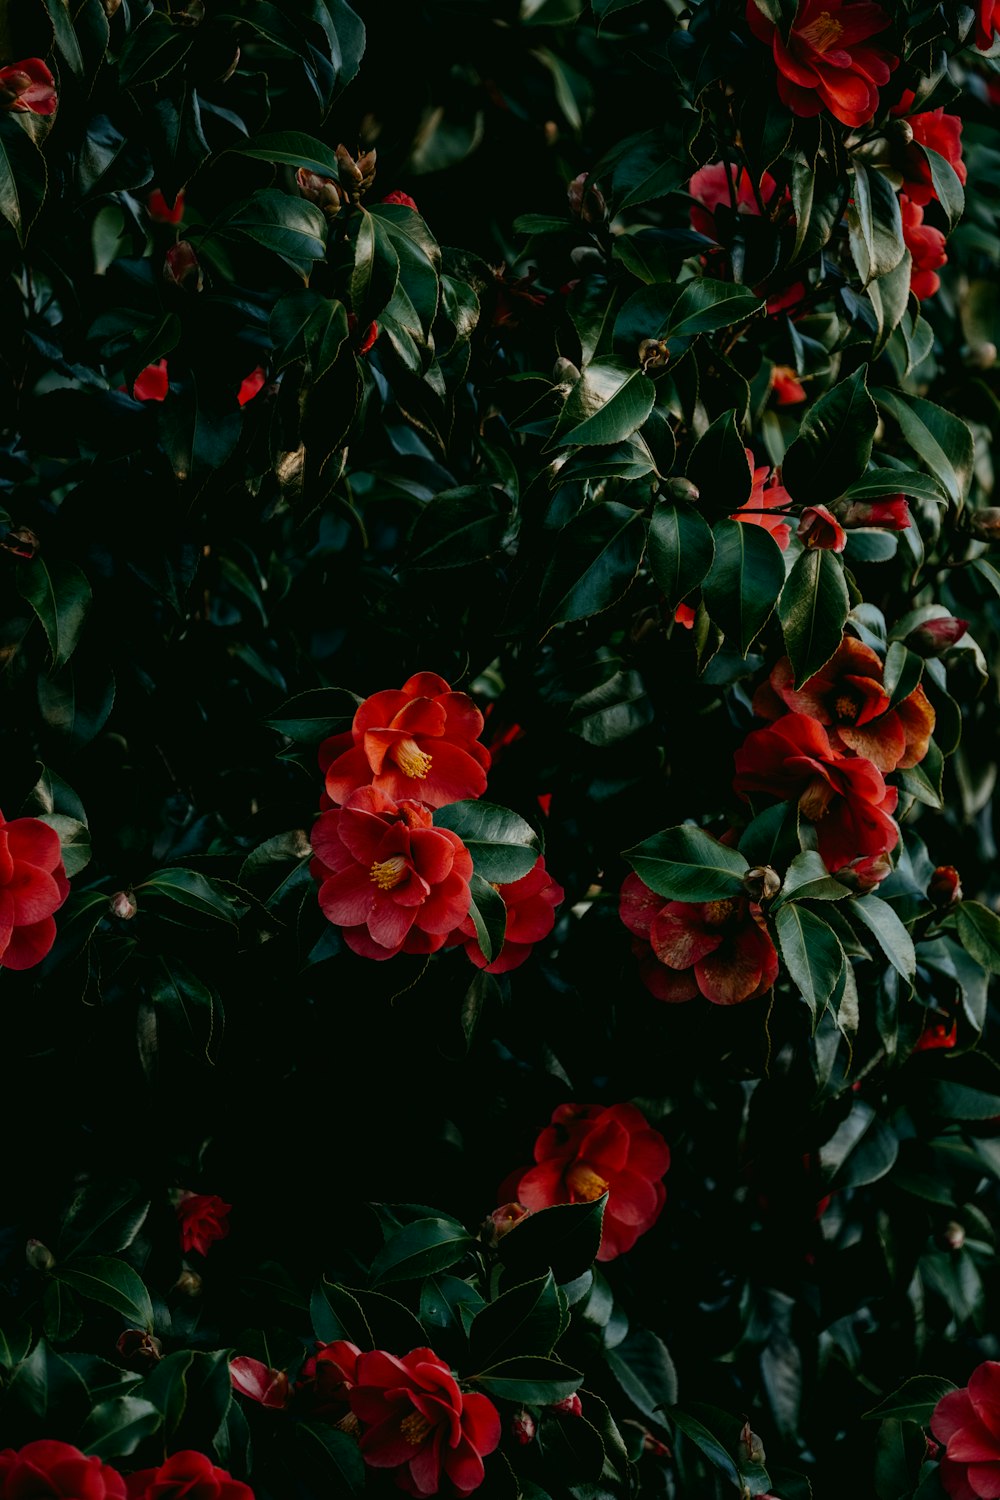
{"type": "Point", "coordinates": [123, 905]}
{"type": "Point", "coordinates": [522, 1427]}
{"type": "Point", "coordinates": [819, 528]}
{"type": "Point", "coordinates": [683, 489]}
{"type": "Point", "coordinates": [39, 1256]}
{"type": "Point", "coordinates": [586, 201]}
{"type": "Point", "coordinates": [985, 524]}
{"type": "Point", "coordinates": [900, 132]}
{"type": "Point", "coordinates": [188, 1284]}
{"type": "Point", "coordinates": [323, 191]}
{"type": "Point", "coordinates": [935, 636]}
{"type": "Point", "coordinates": [181, 268]}
{"type": "Point", "coordinates": [866, 872]}
{"type": "Point", "coordinates": [138, 1348]}
{"type": "Point", "coordinates": [366, 166]}
{"type": "Point", "coordinates": [502, 1220]}
{"type": "Point", "coordinates": [22, 542]}
{"type": "Point", "coordinates": [570, 1406]}
{"type": "Point", "coordinates": [980, 356]}
{"type": "Point", "coordinates": [945, 886]}
{"type": "Point", "coordinates": [752, 1445]}
{"type": "Point", "coordinates": [653, 354]}
{"type": "Point", "coordinates": [356, 177]}
{"type": "Point", "coordinates": [762, 883]}
{"type": "Point", "coordinates": [953, 1235]}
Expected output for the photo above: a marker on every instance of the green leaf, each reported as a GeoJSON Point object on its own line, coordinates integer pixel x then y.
{"type": "Point", "coordinates": [947, 188]}
{"type": "Point", "coordinates": [60, 596]}
{"type": "Point", "coordinates": [22, 181]}
{"type": "Point", "coordinates": [306, 325]}
{"type": "Point", "coordinates": [901, 673]}
{"type": "Point", "coordinates": [680, 549]}
{"type": "Point", "coordinates": [687, 864]}
{"type": "Point", "coordinates": [707, 1442]}
{"type": "Point", "coordinates": [861, 1150]}
{"type": "Point", "coordinates": [376, 267]}
{"type": "Point", "coordinates": [644, 1370]}
{"type": "Point", "coordinates": [834, 443]}
{"type": "Point", "coordinates": [421, 1248]}
{"type": "Point", "coordinates": [609, 402]}
{"type": "Point", "coordinates": [189, 1000]}
{"type": "Point", "coordinates": [152, 51]}
{"type": "Point", "coordinates": [813, 610]}
{"type": "Point", "coordinates": [62, 1315]}
{"type": "Point", "coordinates": [526, 1320]}
{"type": "Point", "coordinates": [293, 148]}
{"type": "Point", "coordinates": [565, 1239]}
{"type": "Point", "coordinates": [877, 482]}
{"type": "Point", "coordinates": [291, 228]}
{"type": "Point", "coordinates": [875, 224]}
{"type": "Point", "coordinates": [888, 931]}
{"type": "Point", "coordinates": [458, 527]}
{"type": "Point", "coordinates": [503, 846]}
{"type": "Point", "coordinates": [315, 714]}
{"type": "Point", "coordinates": [595, 558]}
{"type": "Point", "coordinates": [340, 1457]}
{"type": "Point", "coordinates": [812, 954]}
{"type": "Point", "coordinates": [956, 1101]}
{"type": "Point", "coordinates": [115, 1428]}
{"type": "Point", "coordinates": [745, 581]}
{"type": "Point", "coordinates": [979, 933]}
{"type": "Point", "coordinates": [940, 439]}
{"type": "Point", "coordinates": [489, 916]}
{"type": "Point", "coordinates": [66, 38]}
{"type": "Point", "coordinates": [706, 305]}
{"type": "Point", "coordinates": [194, 891]}
{"type": "Point", "coordinates": [445, 1300]}
{"type": "Point", "coordinates": [111, 1282]}
{"type": "Point", "coordinates": [808, 879]}
{"type": "Point", "coordinates": [529, 1378]}
{"type": "Point", "coordinates": [914, 1401]}
{"type": "Point", "coordinates": [718, 465]}
{"type": "Point", "coordinates": [102, 1216]}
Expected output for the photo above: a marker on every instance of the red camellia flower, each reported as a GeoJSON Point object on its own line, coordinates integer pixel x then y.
{"type": "Point", "coordinates": [402, 198]}
{"type": "Point", "coordinates": [717, 186]}
{"type": "Point", "coordinates": [33, 886]}
{"type": "Point", "coordinates": [847, 698]}
{"type": "Point", "coordinates": [186, 1476]}
{"type": "Point", "coordinates": [937, 1035]}
{"type": "Point", "coordinates": [987, 23]}
{"type": "Point", "coordinates": [391, 879]}
{"type": "Point", "coordinates": [203, 1219]}
{"type": "Point", "coordinates": [787, 387]}
{"type": "Point", "coordinates": [47, 1470]}
{"type": "Point", "coordinates": [420, 741]}
{"type": "Point", "coordinates": [764, 496]}
{"type": "Point", "coordinates": [588, 1150]}
{"type": "Point", "coordinates": [161, 212]}
{"type": "Point", "coordinates": [28, 87]}
{"type": "Point", "coordinates": [250, 385]}
{"type": "Point", "coordinates": [941, 133]}
{"type": "Point", "coordinates": [416, 1420]}
{"type": "Point", "coordinates": [719, 949]}
{"type": "Point", "coordinates": [845, 796]}
{"type": "Point", "coordinates": [259, 1383]}
{"type": "Point", "coordinates": [968, 1423]}
{"type": "Point", "coordinates": [151, 383]}
{"type": "Point", "coordinates": [891, 514]}
{"type": "Point", "coordinates": [926, 245]}
{"type": "Point", "coordinates": [818, 528]}
{"type": "Point", "coordinates": [328, 1377]}
{"type": "Point", "coordinates": [828, 60]}
{"type": "Point", "coordinates": [531, 915]}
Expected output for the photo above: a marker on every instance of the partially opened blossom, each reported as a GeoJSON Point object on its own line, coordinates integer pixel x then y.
{"type": "Point", "coordinates": [848, 698]}
{"type": "Point", "coordinates": [926, 246]}
{"type": "Point", "coordinates": [418, 1421]}
{"type": "Point", "coordinates": [33, 886]}
{"type": "Point", "coordinates": [967, 1422]}
{"type": "Point", "coordinates": [531, 914]}
{"type": "Point", "coordinates": [28, 87]}
{"type": "Point", "coordinates": [151, 384]}
{"type": "Point", "coordinates": [403, 199]}
{"type": "Point", "coordinates": [203, 1218]}
{"type": "Point", "coordinates": [162, 212]}
{"type": "Point", "coordinates": [829, 60]}
{"type": "Point", "coordinates": [258, 1382]}
{"type": "Point", "coordinates": [388, 877]}
{"type": "Point", "coordinates": [766, 493]}
{"type": "Point", "coordinates": [589, 1150]}
{"type": "Point", "coordinates": [843, 795]}
{"type": "Point", "coordinates": [419, 741]}
{"type": "Point", "coordinates": [821, 530]}
{"type": "Point", "coordinates": [718, 949]}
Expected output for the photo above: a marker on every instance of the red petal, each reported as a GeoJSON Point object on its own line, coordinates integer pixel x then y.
{"type": "Point", "coordinates": [348, 897]}
{"type": "Point", "coordinates": [678, 938]}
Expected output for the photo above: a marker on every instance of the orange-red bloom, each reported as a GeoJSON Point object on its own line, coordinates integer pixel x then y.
{"type": "Point", "coordinates": [391, 879]}
{"type": "Point", "coordinates": [588, 1150]}
{"type": "Point", "coordinates": [33, 886]}
{"type": "Point", "coordinates": [828, 60]}
{"type": "Point", "coordinates": [845, 796]}
{"type": "Point", "coordinates": [28, 87]}
{"type": "Point", "coordinates": [787, 387]}
{"type": "Point", "coordinates": [764, 496]}
{"type": "Point", "coordinates": [531, 915]}
{"type": "Point", "coordinates": [419, 741]}
{"type": "Point", "coordinates": [926, 245]}
{"type": "Point", "coordinates": [847, 698]}
{"type": "Point", "coordinates": [891, 514]}
{"type": "Point", "coordinates": [720, 949]}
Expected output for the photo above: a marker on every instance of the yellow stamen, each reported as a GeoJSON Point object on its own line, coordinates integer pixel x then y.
{"type": "Point", "coordinates": [415, 1427]}
{"type": "Point", "coordinates": [816, 799]}
{"type": "Point", "coordinates": [584, 1183]}
{"type": "Point", "coordinates": [823, 33]}
{"type": "Point", "coordinates": [846, 709]}
{"type": "Point", "coordinates": [389, 873]}
{"type": "Point", "coordinates": [718, 912]}
{"type": "Point", "coordinates": [410, 759]}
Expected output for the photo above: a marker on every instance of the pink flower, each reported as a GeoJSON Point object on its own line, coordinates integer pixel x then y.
{"type": "Point", "coordinates": [968, 1423]}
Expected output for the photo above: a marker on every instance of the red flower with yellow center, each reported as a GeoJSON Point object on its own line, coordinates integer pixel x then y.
{"type": "Point", "coordinates": [531, 915]}
{"type": "Point", "coordinates": [847, 698]}
{"type": "Point", "coordinates": [828, 60]}
{"type": "Point", "coordinates": [844, 795]}
{"type": "Point", "coordinates": [391, 879]}
{"type": "Point", "coordinates": [589, 1150]}
{"type": "Point", "coordinates": [719, 949]}
{"type": "Point", "coordinates": [419, 741]}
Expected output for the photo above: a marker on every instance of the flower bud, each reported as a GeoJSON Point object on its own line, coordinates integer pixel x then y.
{"type": "Point", "coordinates": [181, 268]}
{"type": "Point", "coordinates": [191, 14]}
{"type": "Point", "coordinates": [866, 872]}
{"type": "Point", "coordinates": [161, 212]}
{"type": "Point", "coordinates": [366, 166]}
{"type": "Point", "coordinates": [138, 1348]}
{"type": "Point", "coordinates": [367, 338]}
{"type": "Point", "coordinates": [586, 201]}
{"type": "Point", "coordinates": [752, 1445]}
{"type": "Point", "coordinates": [502, 1220]}
{"type": "Point", "coordinates": [762, 883]}
{"type": "Point", "coordinates": [683, 489]}
{"type": "Point", "coordinates": [356, 177]}
{"type": "Point", "coordinates": [522, 1427]}
{"type": "Point", "coordinates": [653, 354]}
{"type": "Point", "coordinates": [123, 905]}
{"type": "Point", "coordinates": [22, 542]}
{"type": "Point", "coordinates": [322, 191]}
{"type": "Point", "coordinates": [259, 1383]}
{"type": "Point", "coordinates": [819, 528]}
{"type": "Point", "coordinates": [933, 637]}
{"type": "Point", "coordinates": [565, 372]}
{"type": "Point", "coordinates": [945, 887]}
{"type": "Point", "coordinates": [892, 513]}
{"type": "Point", "coordinates": [188, 1284]}
{"type": "Point", "coordinates": [980, 356]}
{"type": "Point", "coordinates": [403, 199]}
{"type": "Point", "coordinates": [570, 1406]}
{"type": "Point", "coordinates": [985, 524]}
{"type": "Point", "coordinates": [900, 132]}
{"type": "Point", "coordinates": [586, 258]}
{"type": "Point", "coordinates": [953, 1235]}
{"type": "Point", "coordinates": [39, 1256]}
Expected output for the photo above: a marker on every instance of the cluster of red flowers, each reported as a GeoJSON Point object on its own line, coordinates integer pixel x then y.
{"type": "Point", "coordinates": [33, 886]}
{"type": "Point", "coordinates": [388, 877]}
{"type": "Point", "coordinates": [49, 1470]}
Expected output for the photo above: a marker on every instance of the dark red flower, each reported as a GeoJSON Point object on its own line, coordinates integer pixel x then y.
{"type": "Point", "coordinates": [818, 528]}
{"type": "Point", "coordinates": [941, 133]}
{"type": "Point", "coordinates": [402, 198]}
{"type": "Point", "coordinates": [259, 1383]}
{"type": "Point", "coordinates": [531, 915]}
{"type": "Point", "coordinates": [522, 1427]}
{"type": "Point", "coordinates": [186, 1476]}
{"type": "Point", "coordinates": [847, 698]}
{"type": "Point", "coordinates": [47, 1470]}
{"type": "Point", "coordinates": [416, 1420]}
{"type": "Point", "coordinates": [419, 741]}
{"type": "Point", "coordinates": [945, 886]}
{"type": "Point", "coordinates": [33, 886]}
{"type": "Point", "coordinates": [891, 514]}
{"type": "Point", "coordinates": [765, 494]}
{"type": "Point", "coordinates": [787, 387]}
{"type": "Point", "coordinates": [391, 879]}
{"type": "Point", "coordinates": [720, 949]}
{"type": "Point", "coordinates": [716, 186]}
{"type": "Point", "coordinates": [28, 87]}
{"type": "Point", "coordinates": [203, 1219]}
{"type": "Point", "coordinates": [926, 246]}
{"type": "Point", "coordinates": [250, 385]}
{"type": "Point", "coordinates": [589, 1150]}
{"type": "Point", "coordinates": [828, 60]}
{"type": "Point", "coordinates": [845, 796]}
{"type": "Point", "coordinates": [987, 23]}
{"type": "Point", "coordinates": [161, 212]}
{"type": "Point", "coordinates": [328, 1377]}
{"type": "Point", "coordinates": [968, 1423]}
{"type": "Point", "coordinates": [151, 383]}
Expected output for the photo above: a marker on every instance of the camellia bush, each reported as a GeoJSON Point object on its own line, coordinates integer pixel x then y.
{"type": "Point", "coordinates": [499, 623]}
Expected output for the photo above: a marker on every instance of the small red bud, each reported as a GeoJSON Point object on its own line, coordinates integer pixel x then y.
{"type": "Point", "coordinates": [181, 268]}
{"type": "Point", "coordinates": [934, 637]}
{"type": "Point", "coordinates": [123, 905]}
{"type": "Point", "coordinates": [522, 1427]}
{"type": "Point", "coordinates": [945, 887]}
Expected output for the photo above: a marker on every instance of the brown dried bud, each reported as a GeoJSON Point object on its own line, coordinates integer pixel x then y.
{"type": "Point", "coordinates": [900, 132]}
{"type": "Point", "coordinates": [502, 1220]}
{"type": "Point", "coordinates": [586, 201]}
{"type": "Point", "coordinates": [980, 356]}
{"type": "Point", "coordinates": [356, 177]}
{"type": "Point", "coordinates": [22, 542]}
{"type": "Point", "coordinates": [181, 268]}
{"type": "Point", "coordinates": [366, 166]}
{"type": "Point", "coordinates": [945, 886]}
{"type": "Point", "coordinates": [111, 7]}
{"type": "Point", "coordinates": [138, 1348]}
{"type": "Point", "coordinates": [683, 489]}
{"type": "Point", "coordinates": [191, 14]}
{"type": "Point", "coordinates": [653, 354]}
{"type": "Point", "coordinates": [39, 1256]}
{"type": "Point", "coordinates": [123, 906]}
{"type": "Point", "coordinates": [323, 191]}
{"type": "Point", "coordinates": [762, 883]}
{"type": "Point", "coordinates": [985, 524]}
